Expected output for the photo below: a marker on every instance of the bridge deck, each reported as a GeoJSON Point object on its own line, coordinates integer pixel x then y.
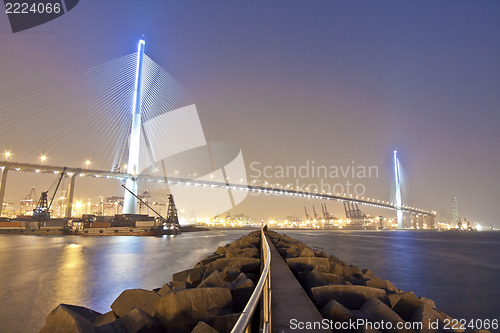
{"type": "Point", "coordinates": [39, 168]}
{"type": "Point", "coordinates": [288, 299]}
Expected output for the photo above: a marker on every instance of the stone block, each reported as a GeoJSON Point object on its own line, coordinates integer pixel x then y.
{"type": "Point", "coordinates": [135, 298]}
{"type": "Point", "coordinates": [181, 285]}
{"type": "Point", "coordinates": [192, 276]}
{"type": "Point", "coordinates": [376, 283]}
{"type": "Point", "coordinates": [246, 265]}
{"type": "Point", "coordinates": [307, 252]}
{"type": "Point", "coordinates": [106, 318]}
{"type": "Point", "coordinates": [335, 311]}
{"type": "Point", "coordinates": [292, 252]}
{"type": "Point", "coordinates": [224, 324]}
{"type": "Point", "coordinates": [425, 314]}
{"type": "Point", "coordinates": [209, 260]}
{"type": "Point", "coordinates": [203, 327]}
{"type": "Point", "coordinates": [336, 268]}
{"type": "Point", "coordinates": [167, 287]}
{"type": "Point", "coordinates": [70, 318]}
{"type": "Point", "coordinates": [241, 290]}
{"type": "Point", "coordinates": [214, 280]}
{"type": "Point", "coordinates": [301, 264]}
{"type": "Point", "coordinates": [378, 312]}
{"type": "Point", "coordinates": [136, 321]}
{"type": "Point", "coordinates": [179, 312]}
{"type": "Point", "coordinates": [352, 297]}
{"type": "Point", "coordinates": [404, 304]}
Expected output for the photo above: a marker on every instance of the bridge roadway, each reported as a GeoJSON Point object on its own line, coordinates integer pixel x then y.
{"type": "Point", "coordinates": [82, 172]}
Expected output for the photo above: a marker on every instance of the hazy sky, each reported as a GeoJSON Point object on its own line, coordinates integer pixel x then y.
{"type": "Point", "coordinates": [329, 81]}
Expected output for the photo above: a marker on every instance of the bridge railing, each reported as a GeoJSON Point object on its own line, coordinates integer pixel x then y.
{"type": "Point", "coordinates": [262, 293]}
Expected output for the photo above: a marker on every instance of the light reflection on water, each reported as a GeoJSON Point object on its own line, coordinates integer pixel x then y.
{"type": "Point", "coordinates": [458, 270]}
{"type": "Point", "coordinates": [39, 272]}
{"type": "Point", "coordinates": [69, 276]}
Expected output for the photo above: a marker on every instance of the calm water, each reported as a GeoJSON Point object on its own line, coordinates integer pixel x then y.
{"type": "Point", "coordinates": [458, 270]}
{"type": "Point", "coordinates": [39, 272]}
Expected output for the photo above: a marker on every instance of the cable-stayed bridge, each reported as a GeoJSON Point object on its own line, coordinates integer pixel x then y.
{"type": "Point", "coordinates": [129, 112]}
{"type": "Point", "coordinates": [106, 174]}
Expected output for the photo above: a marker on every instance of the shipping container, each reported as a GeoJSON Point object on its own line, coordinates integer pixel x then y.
{"type": "Point", "coordinates": [100, 225]}
{"type": "Point", "coordinates": [10, 224]}
{"type": "Point", "coordinates": [142, 224]}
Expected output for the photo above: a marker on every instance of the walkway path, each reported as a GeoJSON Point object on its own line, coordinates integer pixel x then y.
{"type": "Point", "coordinates": [289, 301]}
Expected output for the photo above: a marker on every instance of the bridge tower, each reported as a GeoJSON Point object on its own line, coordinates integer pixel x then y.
{"type": "Point", "coordinates": [129, 200]}
{"type": "Point", "coordinates": [454, 210]}
{"type": "Point", "coordinates": [399, 212]}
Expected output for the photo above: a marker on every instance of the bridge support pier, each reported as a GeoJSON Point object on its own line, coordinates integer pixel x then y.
{"type": "Point", "coordinates": [420, 221]}
{"type": "Point", "coordinates": [425, 220]}
{"type": "Point", "coordinates": [69, 196]}
{"type": "Point", "coordinates": [3, 184]}
{"type": "Point", "coordinates": [407, 220]}
{"type": "Point", "coordinates": [431, 222]}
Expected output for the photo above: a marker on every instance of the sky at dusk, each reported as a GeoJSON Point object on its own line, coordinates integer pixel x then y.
{"type": "Point", "coordinates": [294, 81]}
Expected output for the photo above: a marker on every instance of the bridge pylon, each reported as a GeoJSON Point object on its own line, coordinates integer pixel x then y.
{"type": "Point", "coordinates": [129, 200]}
{"type": "Point", "coordinates": [399, 211]}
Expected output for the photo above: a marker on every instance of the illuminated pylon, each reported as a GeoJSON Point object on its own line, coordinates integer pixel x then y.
{"type": "Point", "coordinates": [129, 201]}
{"type": "Point", "coordinates": [399, 212]}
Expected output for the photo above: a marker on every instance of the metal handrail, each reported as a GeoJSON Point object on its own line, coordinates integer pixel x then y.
{"type": "Point", "coordinates": [262, 290]}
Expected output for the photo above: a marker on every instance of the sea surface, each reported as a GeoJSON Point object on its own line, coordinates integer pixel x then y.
{"type": "Point", "coordinates": [460, 271]}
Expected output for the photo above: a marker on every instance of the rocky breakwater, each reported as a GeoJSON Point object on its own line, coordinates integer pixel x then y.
{"type": "Point", "coordinates": [344, 293]}
{"type": "Point", "coordinates": [207, 298]}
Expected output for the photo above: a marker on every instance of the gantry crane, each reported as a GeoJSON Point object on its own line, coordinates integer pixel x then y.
{"type": "Point", "coordinates": [42, 210]}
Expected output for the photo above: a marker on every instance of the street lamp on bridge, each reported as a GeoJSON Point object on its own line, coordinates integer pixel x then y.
{"type": "Point", "coordinates": [7, 155]}
{"type": "Point", "coordinates": [43, 158]}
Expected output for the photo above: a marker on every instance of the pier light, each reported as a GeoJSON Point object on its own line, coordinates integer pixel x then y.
{"type": "Point", "coordinates": [7, 155]}
{"type": "Point", "coordinates": [43, 158]}
{"type": "Point", "coordinates": [88, 163]}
